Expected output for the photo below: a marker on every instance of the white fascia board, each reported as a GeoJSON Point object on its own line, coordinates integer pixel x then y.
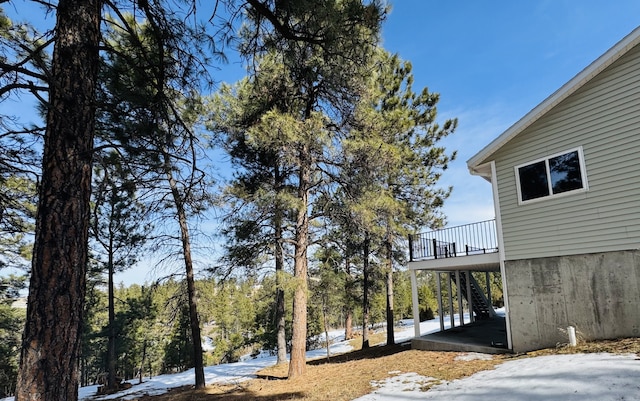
{"type": "Point", "coordinates": [480, 262]}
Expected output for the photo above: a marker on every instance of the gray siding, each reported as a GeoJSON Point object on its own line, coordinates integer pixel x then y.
{"type": "Point", "coordinates": [604, 118]}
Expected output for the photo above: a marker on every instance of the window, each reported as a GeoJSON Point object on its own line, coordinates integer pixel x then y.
{"type": "Point", "coordinates": [559, 174]}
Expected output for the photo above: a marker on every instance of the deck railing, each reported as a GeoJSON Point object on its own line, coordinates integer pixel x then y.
{"type": "Point", "coordinates": [469, 239]}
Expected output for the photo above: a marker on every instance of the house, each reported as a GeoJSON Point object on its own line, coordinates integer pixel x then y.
{"type": "Point", "coordinates": [566, 189]}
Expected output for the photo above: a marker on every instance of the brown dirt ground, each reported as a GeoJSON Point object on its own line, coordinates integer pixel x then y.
{"type": "Point", "coordinates": [348, 376]}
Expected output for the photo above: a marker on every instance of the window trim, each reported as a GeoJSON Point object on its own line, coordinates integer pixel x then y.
{"type": "Point", "coordinates": [583, 172]}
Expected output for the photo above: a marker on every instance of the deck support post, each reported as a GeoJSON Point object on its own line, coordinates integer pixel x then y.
{"type": "Point", "coordinates": [440, 308]}
{"type": "Point", "coordinates": [452, 315]}
{"type": "Point", "coordinates": [488, 280]}
{"type": "Point", "coordinates": [416, 303]}
{"type": "Point", "coordinates": [469, 296]}
{"type": "Point", "coordinates": [459, 296]}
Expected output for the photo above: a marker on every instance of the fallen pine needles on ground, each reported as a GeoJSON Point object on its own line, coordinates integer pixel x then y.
{"type": "Point", "coordinates": [342, 377]}
{"type": "Point", "coordinates": [349, 376]}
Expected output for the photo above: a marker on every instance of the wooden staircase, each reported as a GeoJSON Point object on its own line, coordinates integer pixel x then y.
{"type": "Point", "coordinates": [481, 306]}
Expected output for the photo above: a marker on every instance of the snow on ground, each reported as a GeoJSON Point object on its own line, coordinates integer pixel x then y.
{"type": "Point", "coordinates": [221, 374]}
{"type": "Point", "coordinates": [584, 377]}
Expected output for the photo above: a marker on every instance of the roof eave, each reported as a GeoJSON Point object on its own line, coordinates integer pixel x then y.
{"type": "Point", "coordinates": [483, 170]}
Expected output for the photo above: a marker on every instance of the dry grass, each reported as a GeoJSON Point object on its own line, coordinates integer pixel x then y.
{"type": "Point", "coordinates": [621, 346]}
{"type": "Point", "coordinates": [348, 376]}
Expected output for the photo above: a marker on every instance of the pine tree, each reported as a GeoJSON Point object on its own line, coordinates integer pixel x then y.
{"type": "Point", "coordinates": [260, 195]}
{"type": "Point", "coordinates": [65, 85]}
{"type": "Point", "coordinates": [312, 54]}
{"type": "Point", "coordinates": [152, 121]}
{"type": "Point", "coordinates": [51, 340]}
{"type": "Point", "coordinates": [393, 162]}
{"type": "Point", "coordinates": [118, 232]}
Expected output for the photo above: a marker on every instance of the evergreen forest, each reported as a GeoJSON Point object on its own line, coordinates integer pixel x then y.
{"type": "Point", "coordinates": [273, 208]}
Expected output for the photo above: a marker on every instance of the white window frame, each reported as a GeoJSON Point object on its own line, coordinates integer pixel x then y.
{"type": "Point", "coordinates": [583, 172]}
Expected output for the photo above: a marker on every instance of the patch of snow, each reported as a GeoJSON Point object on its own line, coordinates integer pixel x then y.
{"type": "Point", "coordinates": [584, 377]}
{"type": "Point", "coordinates": [207, 344]}
{"type": "Point", "coordinates": [407, 386]}
{"type": "Point", "coordinates": [472, 356]}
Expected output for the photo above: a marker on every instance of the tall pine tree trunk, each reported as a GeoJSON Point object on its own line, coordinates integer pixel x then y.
{"type": "Point", "coordinates": [111, 351]}
{"type": "Point", "coordinates": [142, 361]}
{"type": "Point", "coordinates": [198, 362]}
{"type": "Point", "coordinates": [348, 324]}
{"type": "Point", "coordinates": [51, 339]}
{"type": "Point", "coordinates": [390, 318]}
{"type": "Point", "coordinates": [280, 309]}
{"type": "Point", "coordinates": [365, 289]}
{"type": "Point", "coordinates": [325, 322]}
{"type": "Point", "coordinates": [279, 256]}
{"type": "Point", "coordinates": [297, 363]}
{"type": "Point", "coordinates": [348, 283]}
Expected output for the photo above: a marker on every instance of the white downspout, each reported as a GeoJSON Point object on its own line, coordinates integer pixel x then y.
{"type": "Point", "coordinates": [501, 253]}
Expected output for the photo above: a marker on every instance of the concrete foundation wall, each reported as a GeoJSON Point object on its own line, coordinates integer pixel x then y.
{"type": "Point", "coordinates": [598, 294]}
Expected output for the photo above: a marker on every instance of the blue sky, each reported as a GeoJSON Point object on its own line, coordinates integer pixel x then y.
{"type": "Point", "coordinates": [491, 62]}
